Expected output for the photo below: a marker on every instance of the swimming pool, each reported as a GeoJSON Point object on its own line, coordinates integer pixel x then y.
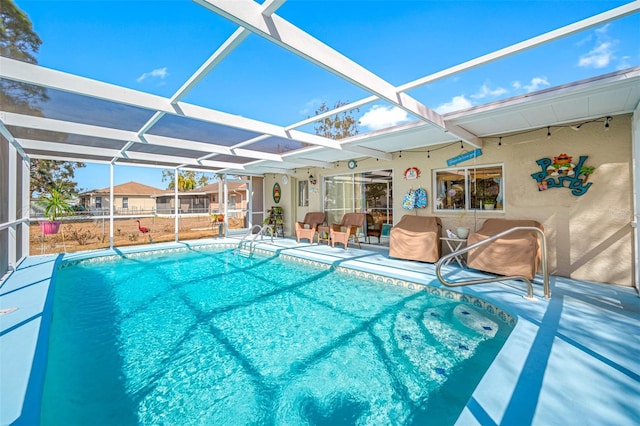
{"type": "Point", "coordinates": [208, 337]}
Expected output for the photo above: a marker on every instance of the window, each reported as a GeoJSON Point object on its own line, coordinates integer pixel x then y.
{"type": "Point", "coordinates": [98, 202]}
{"type": "Point", "coordinates": [303, 193]}
{"type": "Point", "coordinates": [125, 202]}
{"type": "Point", "coordinates": [470, 188]}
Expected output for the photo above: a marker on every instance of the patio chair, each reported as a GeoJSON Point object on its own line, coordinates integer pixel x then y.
{"type": "Point", "coordinates": [350, 223]}
{"type": "Point", "coordinates": [372, 229]}
{"type": "Point", "coordinates": [308, 227]}
{"type": "Point", "coordinates": [516, 254]}
{"type": "Point", "coordinates": [416, 238]}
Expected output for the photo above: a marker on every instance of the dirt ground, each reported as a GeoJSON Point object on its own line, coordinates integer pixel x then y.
{"type": "Point", "coordinates": [90, 234]}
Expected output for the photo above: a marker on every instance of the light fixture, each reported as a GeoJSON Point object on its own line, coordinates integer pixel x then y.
{"type": "Point", "coordinates": [461, 145]}
{"type": "Point", "coordinates": [500, 141]}
{"type": "Point", "coordinates": [428, 154]}
{"type": "Point", "coordinates": [548, 132]}
{"type": "Point", "coordinates": [607, 119]}
{"type": "Point", "coordinates": [400, 156]}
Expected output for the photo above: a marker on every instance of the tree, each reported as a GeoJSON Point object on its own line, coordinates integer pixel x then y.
{"type": "Point", "coordinates": [374, 192]}
{"type": "Point", "coordinates": [19, 41]}
{"type": "Point", "coordinates": [187, 179]}
{"type": "Point", "coordinates": [337, 126]}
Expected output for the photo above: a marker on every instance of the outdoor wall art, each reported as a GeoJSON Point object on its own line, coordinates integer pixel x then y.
{"type": "Point", "coordinates": [562, 173]}
{"type": "Point", "coordinates": [276, 192]}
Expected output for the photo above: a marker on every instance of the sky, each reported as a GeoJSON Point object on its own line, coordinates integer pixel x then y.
{"type": "Point", "coordinates": [156, 45]}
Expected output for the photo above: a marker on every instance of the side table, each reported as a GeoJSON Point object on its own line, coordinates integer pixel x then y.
{"type": "Point", "coordinates": [324, 234]}
{"type": "Point", "coordinates": [455, 244]}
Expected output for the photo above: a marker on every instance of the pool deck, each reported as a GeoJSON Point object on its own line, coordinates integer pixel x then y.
{"type": "Point", "coordinates": [572, 360]}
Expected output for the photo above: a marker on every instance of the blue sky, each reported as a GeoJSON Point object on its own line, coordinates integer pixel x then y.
{"type": "Point", "coordinates": [155, 45]}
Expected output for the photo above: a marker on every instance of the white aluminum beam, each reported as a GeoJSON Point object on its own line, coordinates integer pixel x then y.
{"type": "Point", "coordinates": [369, 152]}
{"type": "Point", "coordinates": [550, 36]}
{"type": "Point", "coordinates": [286, 35]}
{"type": "Point", "coordinates": [308, 162]}
{"type": "Point", "coordinates": [67, 149]}
{"type": "Point", "coordinates": [34, 74]}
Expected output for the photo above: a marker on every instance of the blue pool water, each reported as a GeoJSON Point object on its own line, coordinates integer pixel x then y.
{"type": "Point", "coordinates": [212, 338]}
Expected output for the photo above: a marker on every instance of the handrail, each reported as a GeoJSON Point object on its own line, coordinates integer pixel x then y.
{"type": "Point", "coordinates": [545, 270]}
{"type": "Point", "coordinates": [260, 233]}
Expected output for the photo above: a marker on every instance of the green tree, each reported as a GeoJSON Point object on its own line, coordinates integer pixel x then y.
{"type": "Point", "coordinates": [337, 126]}
{"type": "Point", "coordinates": [187, 179]}
{"type": "Point", "coordinates": [374, 192]}
{"type": "Point", "coordinates": [19, 41]}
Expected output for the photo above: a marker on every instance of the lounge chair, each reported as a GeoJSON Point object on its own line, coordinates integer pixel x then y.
{"type": "Point", "coordinates": [372, 229]}
{"type": "Point", "coordinates": [416, 238]}
{"type": "Point", "coordinates": [518, 253]}
{"type": "Point", "coordinates": [343, 231]}
{"type": "Point", "coordinates": [308, 227]}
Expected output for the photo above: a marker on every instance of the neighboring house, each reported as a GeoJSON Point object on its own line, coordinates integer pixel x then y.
{"type": "Point", "coordinates": [128, 198]}
{"type": "Point", "coordinates": [202, 200]}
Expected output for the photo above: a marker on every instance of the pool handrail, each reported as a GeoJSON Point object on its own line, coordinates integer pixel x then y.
{"type": "Point", "coordinates": [544, 266]}
{"type": "Point", "coordinates": [261, 231]}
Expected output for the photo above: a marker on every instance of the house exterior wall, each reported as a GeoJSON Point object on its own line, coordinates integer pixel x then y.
{"type": "Point", "coordinates": [589, 237]}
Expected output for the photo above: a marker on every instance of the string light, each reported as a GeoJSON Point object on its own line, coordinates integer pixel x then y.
{"type": "Point", "coordinates": [500, 141]}
{"type": "Point", "coordinates": [400, 156]}
{"type": "Point", "coordinates": [428, 154]}
{"type": "Point", "coordinates": [548, 132]}
{"type": "Point", "coordinates": [461, 145]}
{"type": "Point", "coordinates": [606, 122]}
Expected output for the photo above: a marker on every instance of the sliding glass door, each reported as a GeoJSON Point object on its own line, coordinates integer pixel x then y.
{"type": "Point", "coordinates": [368, 192]}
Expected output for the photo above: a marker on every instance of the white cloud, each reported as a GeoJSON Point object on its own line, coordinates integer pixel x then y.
{"type": "Point", "coordinates": [158, 73]}
{"type": "Point", "coordinates": [381, 117]}
{"type": "Point", "coordinates": [536, 84]}
{"type": "Point", "coordinates": [624, 63]}
{"type": "Point", "coordinates": [598, 57]}
{"type": "Point", "coordinates": [309, 109]}
{"type": "Point", "coordinates": [457, 103]}
{"type": "Point", "coordinates": [485, 91]}
{"type": "Point", "coordinates": [602, 54]}
{"type": "Point", "coordinates": [516, 85]}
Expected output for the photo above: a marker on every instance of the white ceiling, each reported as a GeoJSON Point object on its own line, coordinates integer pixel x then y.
{"type": "Point", "coordinates": [88, 120]}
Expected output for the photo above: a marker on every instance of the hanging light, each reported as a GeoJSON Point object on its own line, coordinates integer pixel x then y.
{"type": "Point", "coordinates": [606, 122]}
{"type": "Point", "coordinates": [428, 154]}
{"type": "Point", "coordinates": [548, 132]}
{"type": "Point", "coordinates": [461, 145]}
{"type": "Point", "coordinates": [500, 141]}
{"type": "Point", "coordinates": [400, 156]}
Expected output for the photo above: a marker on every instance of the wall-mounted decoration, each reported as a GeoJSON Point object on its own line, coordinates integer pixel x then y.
{"type": "Point", "coordinates": [562, 173]}
{"type": "Point", "coordinates": [352, 164]}
{"type": "Point", "coordinates": [412, 173]}
{"type": "Point", "coordinates": [464, 157]}
{"type": "Point", "coordinates": [276, 192]}
{"type": "Point", "coordinates": [285, 179]}
{"type": "Point", "coordinates": [415, 199]}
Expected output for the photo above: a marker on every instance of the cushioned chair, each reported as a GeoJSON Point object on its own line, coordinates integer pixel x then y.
{"type": "Point", "coordinates": [372, 229]}
{"type": "Point", "coordinates": [308, 227]}
{"type": "Point", "coordinates": [518, 253]}
{"type": "Point", "coordinates": [343, 231]}
{"type": "Point", "coordinates": [416, 238]}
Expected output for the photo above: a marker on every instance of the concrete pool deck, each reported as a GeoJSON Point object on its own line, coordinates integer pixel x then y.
{"type": "Point", "coordinates": [570, 360]}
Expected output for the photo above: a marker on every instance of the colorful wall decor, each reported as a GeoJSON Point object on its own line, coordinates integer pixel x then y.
{"type": "Point", "coordinates": [276, 192]}
{"type": "Point", "coordinates": [412, 173]}
{"type": "Point", "coordinates": [562, 173]}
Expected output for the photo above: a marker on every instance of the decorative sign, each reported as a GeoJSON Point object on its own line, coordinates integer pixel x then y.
{"type": "Point", "coordinates": [276, 192]}
{"type": "Point", "coordinates": [561, 172]}
{"type": "Point", "coordinates": [412, 173]}
{"type": "Point", "coordinates": [352, 164]}
{"type": "Point", "coordinates": [464, 157]}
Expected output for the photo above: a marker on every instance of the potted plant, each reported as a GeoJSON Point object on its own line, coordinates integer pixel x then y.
{"type": "Point", "coordinates": [56, 205]}
{"type": "Point", "coordinates": [462, 231]}
{"type": "Point", "coordinates": [489, 203]}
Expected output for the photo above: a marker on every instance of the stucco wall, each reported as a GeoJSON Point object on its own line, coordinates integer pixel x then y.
{"type": "Point", "coordinates": [589, 237]}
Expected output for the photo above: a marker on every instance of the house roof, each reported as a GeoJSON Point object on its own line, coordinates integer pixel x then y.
{"type": "Point", "coordinates": [130, 127]}
{"type": "Point", "coordinates": [129, 188]}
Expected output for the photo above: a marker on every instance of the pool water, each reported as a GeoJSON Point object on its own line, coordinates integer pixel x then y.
{"type": "Point", "coordinates": [212, 338]}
